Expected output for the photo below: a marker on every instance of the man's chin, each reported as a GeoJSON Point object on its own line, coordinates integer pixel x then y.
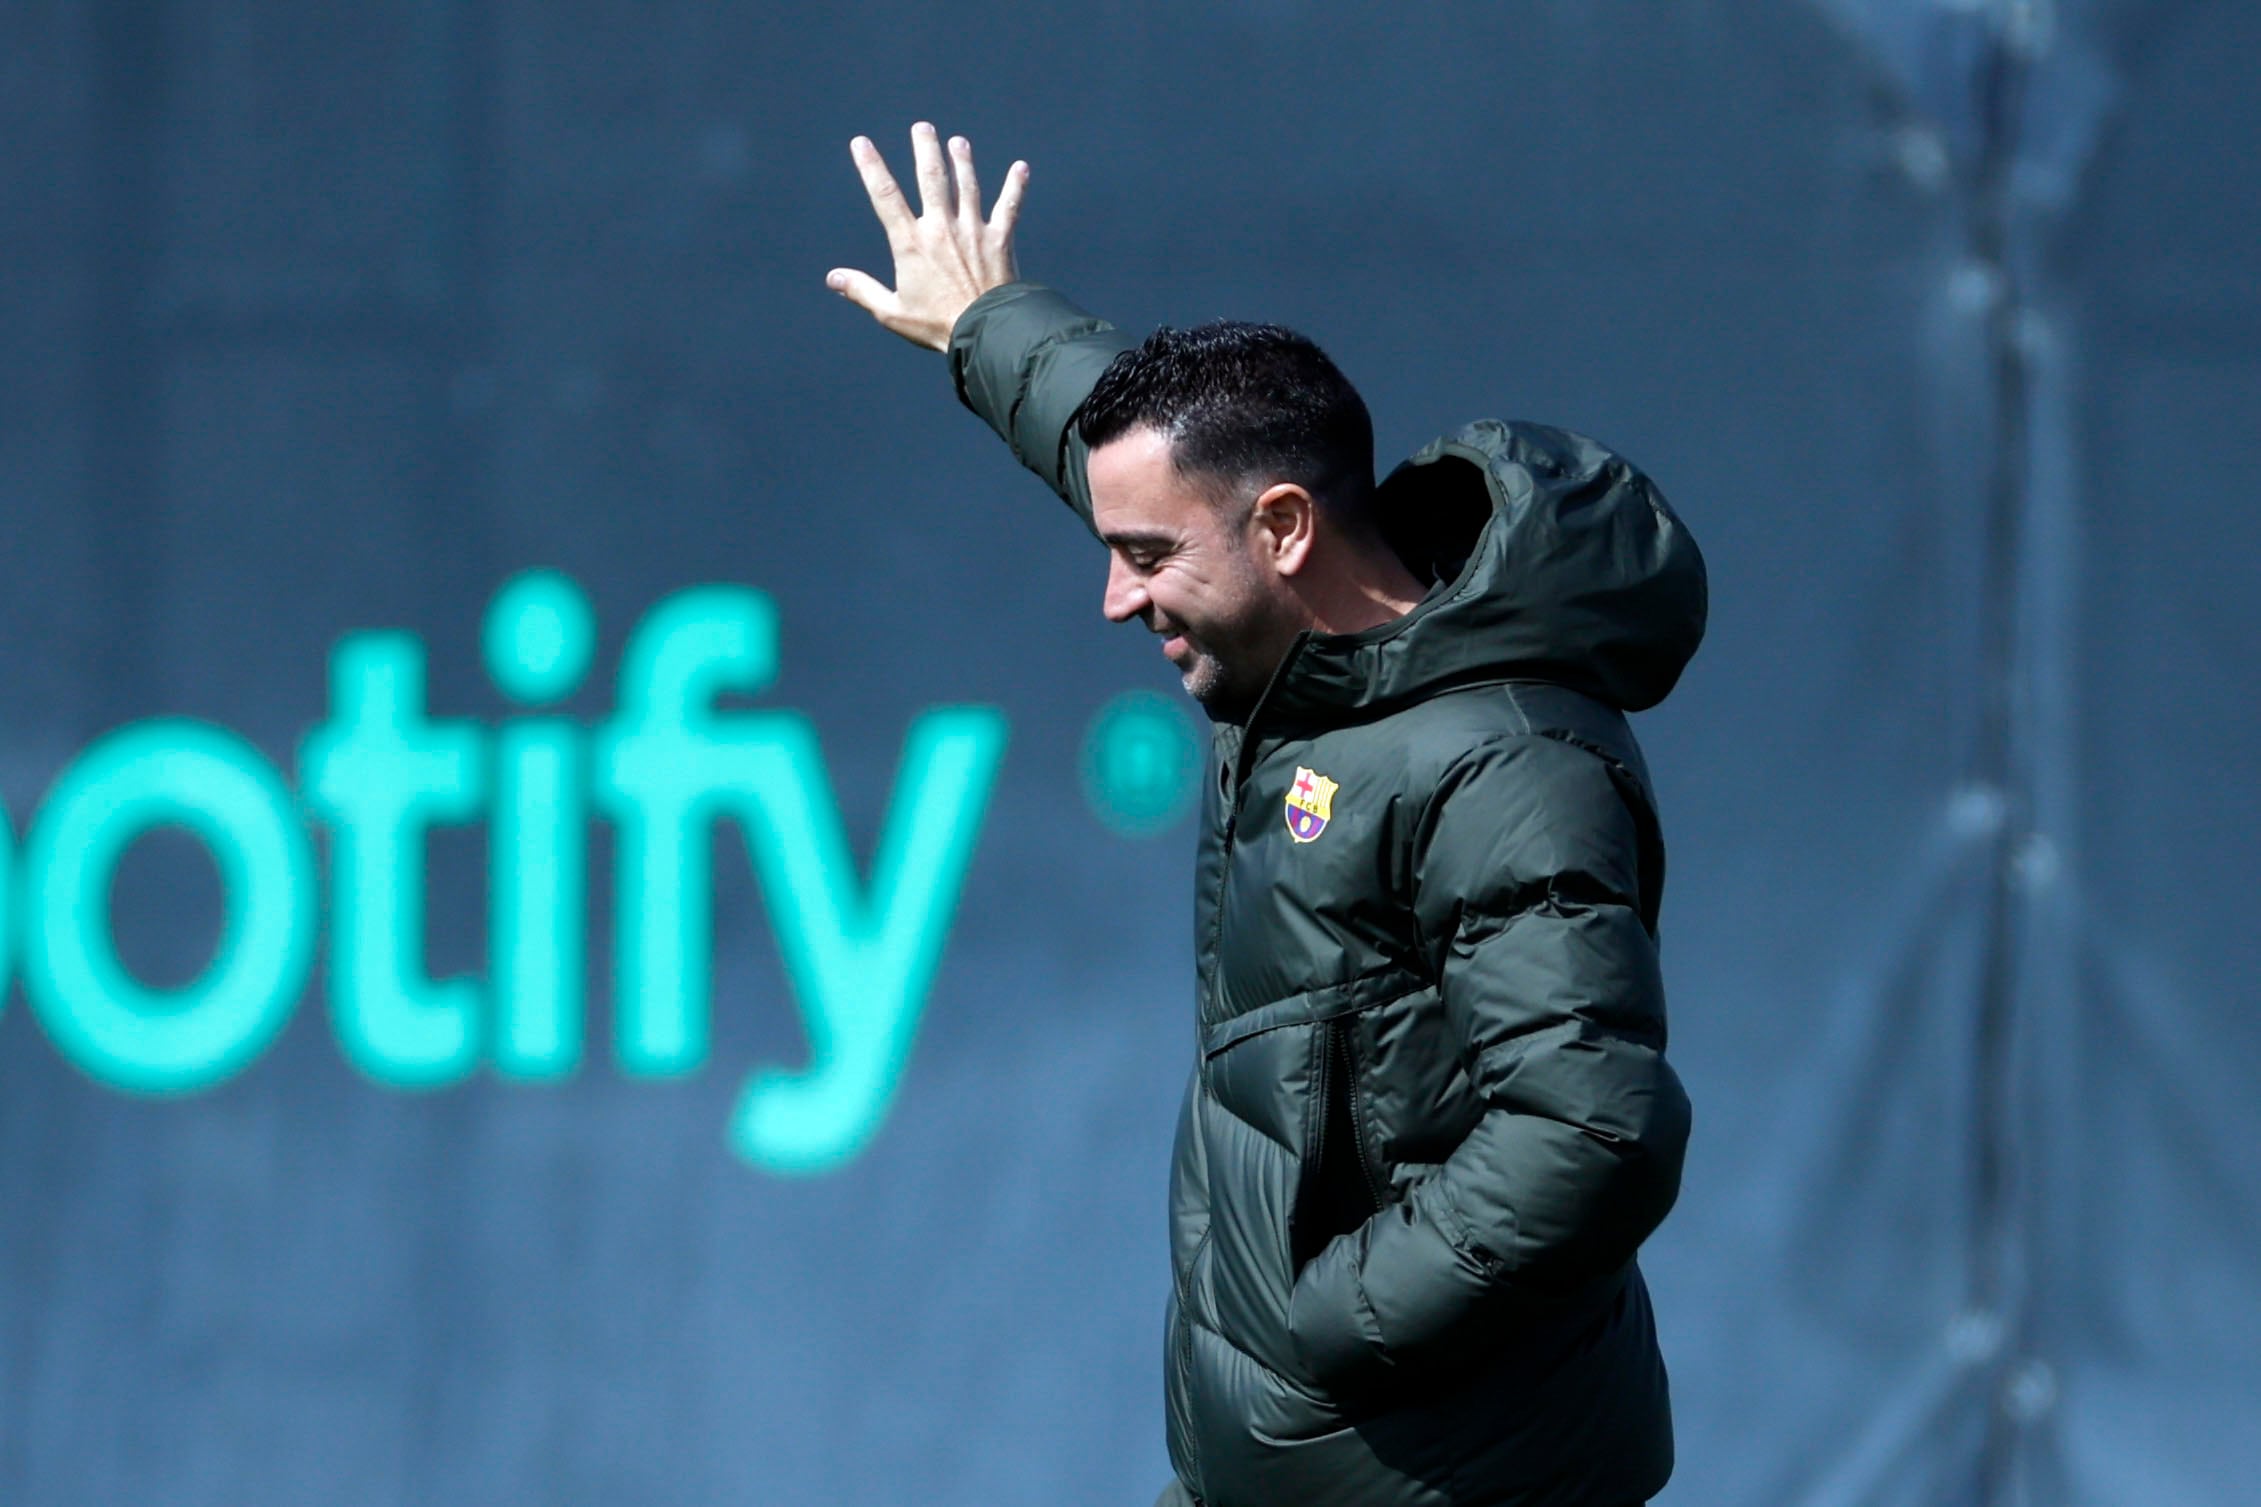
{"type": "Point", "coordinates": [1200, 678]}
{"type": "Point", "coordinates": [1205, 681]}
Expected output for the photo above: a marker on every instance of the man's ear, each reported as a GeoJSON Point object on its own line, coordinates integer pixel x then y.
{"type": "Point", "coordinates": [1285, 519]}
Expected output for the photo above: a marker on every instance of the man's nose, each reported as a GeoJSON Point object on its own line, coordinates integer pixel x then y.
{"type": "Point", "coordinates": [1126, 594]}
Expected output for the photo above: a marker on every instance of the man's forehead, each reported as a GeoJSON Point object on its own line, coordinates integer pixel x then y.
{"type": "Point", "coordinates": [1137, 458]}
{"type": "Point", "coordinates": [1136, 488]}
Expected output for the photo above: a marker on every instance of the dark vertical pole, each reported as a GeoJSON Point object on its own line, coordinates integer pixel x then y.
{"type": "Point", "coordinates": [1996, 1233]}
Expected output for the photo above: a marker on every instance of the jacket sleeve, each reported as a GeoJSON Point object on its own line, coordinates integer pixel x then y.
{"type": "Point", "coordinates": [1528, 898]}
{"type": "Point", "coordinates": [1024, 358]}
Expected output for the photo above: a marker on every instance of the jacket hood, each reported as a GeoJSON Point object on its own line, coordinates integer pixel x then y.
{"type": "Point", "coordinates": [1555, 559]}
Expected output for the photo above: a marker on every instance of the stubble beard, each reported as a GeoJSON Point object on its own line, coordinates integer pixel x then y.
{"type": "Point", "coordinates": [1207, 682]}
{"type": "Point", "coordinates": [1229, 677]}
{"type": "Point", "coordinates": [1232, 657]}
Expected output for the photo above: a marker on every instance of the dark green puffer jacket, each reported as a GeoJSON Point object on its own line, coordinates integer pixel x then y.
{"type": "Point", "coordinates": [1430, 1121]}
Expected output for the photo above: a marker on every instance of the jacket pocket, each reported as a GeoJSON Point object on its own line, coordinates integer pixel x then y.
{"type": "Point", "coordinates": [1280, 1067]}
{"type": "Point", "coordinates": [1328, 1002]}
{"type": "Point", "coordinates": [1338, 1191]}
{"type": "Point", "coordinates": [1282, 1181]}
{"type": "Point", "coordinates": [1308, 1040]}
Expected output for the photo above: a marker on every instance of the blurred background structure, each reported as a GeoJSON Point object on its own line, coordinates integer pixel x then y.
{"type": "Point", "coordinates": [1939, 323]}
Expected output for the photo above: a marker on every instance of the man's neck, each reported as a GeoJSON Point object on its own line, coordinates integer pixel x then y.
{"type": "Point", "coordinates": [1365, 589]}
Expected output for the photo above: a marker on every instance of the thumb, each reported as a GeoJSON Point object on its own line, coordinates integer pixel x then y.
{"type": "Point", "coordinates": [859, 288]}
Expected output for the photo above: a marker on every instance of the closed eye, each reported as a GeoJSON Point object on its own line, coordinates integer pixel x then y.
{"type": "Point", "coordinates": [1141, 551]}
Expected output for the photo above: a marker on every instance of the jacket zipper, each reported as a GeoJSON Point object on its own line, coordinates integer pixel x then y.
{"type": "Point", "coordinates": [1310, 1187]}
{"type": "Point", "coordinates": [1350, 1111]}
{"type": "Point", "coordinates": [1216, 968]}
{"type": "Point", "coordinates": [1237, 781]}
{"type": "Point", "coordinates": [1224, 878]}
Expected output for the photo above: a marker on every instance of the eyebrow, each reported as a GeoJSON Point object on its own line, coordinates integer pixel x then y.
{"type": "Point", "coordinates": [1138, 539]}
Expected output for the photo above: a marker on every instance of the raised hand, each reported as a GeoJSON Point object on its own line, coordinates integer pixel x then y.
{"type": "Point", "coordinates": [946, 255]}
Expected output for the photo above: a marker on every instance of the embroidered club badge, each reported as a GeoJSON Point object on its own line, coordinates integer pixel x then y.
{"type": "Point", "coordinates": [1310, 802]}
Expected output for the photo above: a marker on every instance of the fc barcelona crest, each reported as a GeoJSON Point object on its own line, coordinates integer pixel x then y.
{"type": "Point", "coordinates": [1310, 802]}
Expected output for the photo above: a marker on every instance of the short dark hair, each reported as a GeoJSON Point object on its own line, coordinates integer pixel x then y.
{"type": "Point", "coordinates": [1239, 402]}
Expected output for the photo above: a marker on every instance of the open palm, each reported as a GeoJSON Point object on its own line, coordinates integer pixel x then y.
{"type": "Point", "coordinates": [946, 255]}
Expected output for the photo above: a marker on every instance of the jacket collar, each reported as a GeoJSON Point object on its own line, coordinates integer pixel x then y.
{"type": "Point", "coordinates": [1556, 559]}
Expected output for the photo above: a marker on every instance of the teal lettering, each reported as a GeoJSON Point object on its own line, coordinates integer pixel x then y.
{"type": "Point", "coordinates": [538, 892]}
{"type": "Point", "coordinates": [219, 788]}
{"type": "Point", "coordinates": [538, 637]}
{"type": "Point", "coordinates": [664, 767]}
{"type": "Point", "coordinates": [1140, 764]}
{"type": "Point", "coordinates": [539, 634]}
{"type": "Point", "coordinates": [861, 963]}
{"type": "Point", "coordinates": [860, 953]}
{"type": "Point", "coordinates": [381, 774]}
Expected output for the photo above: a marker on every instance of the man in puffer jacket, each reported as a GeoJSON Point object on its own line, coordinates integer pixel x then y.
{"type": "Point", "coordinates": [1430, 1121]}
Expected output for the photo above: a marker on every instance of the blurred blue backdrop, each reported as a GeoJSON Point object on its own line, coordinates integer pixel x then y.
{"type": "Point", "coordinates": [1937, 321]}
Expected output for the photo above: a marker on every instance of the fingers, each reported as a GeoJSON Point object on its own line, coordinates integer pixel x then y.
{"type": "Point", "coordinates": [1008, 210]}
{"type": "Point", "coordinates": [968, 182]}
{"type": "Point", "coordinates": [887, 199]}
{"type": "Point", "coordinates": [861, 289]}
{"type": "Point", "coordinates": [934, 179]}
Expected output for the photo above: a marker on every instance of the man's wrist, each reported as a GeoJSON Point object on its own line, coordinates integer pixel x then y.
{"type": "Point", "coordinates": [984, 301]}
{"type": "Point", "coordinates": [965, 332]}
